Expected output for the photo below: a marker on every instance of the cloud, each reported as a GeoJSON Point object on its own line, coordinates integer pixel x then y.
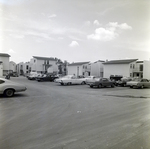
{"type": "Point", "coordinates": [74, 44]}
{"type": "Point", "coordinates": [123, 26]}
{"type": "Point", "coordinates": [110, 32]}
{"type": "Point", "coordinates": [87, 23]}
{"type": "Point", "coordinates": [40, 34]}
{"type": "Point", "coordinates": [96, 22]}
{"type": "Point", "coordinates": [52, 16]}
{"type": "Point", "coordinates": [103, 35]}
{"type": "Point", "coordinates": [17, 36]}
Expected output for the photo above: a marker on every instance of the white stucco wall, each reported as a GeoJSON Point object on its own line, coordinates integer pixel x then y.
{"type": "Point", "coordinates": [5, 61]}
{"type": "Point", "coordinates": [38, 65]}
{"type": "Point", "coordinates": [77, 70]}
{"type": "Point", "coordinates": [97, 69]}
{"type": "Point", "coordinates": [116, 69]}
{"type": "Point", "coordinates": [1, 69]}
{"type": "Point", "coordinates": [12, 66]}
{"type": "Point", "coordinates": [146, 69]}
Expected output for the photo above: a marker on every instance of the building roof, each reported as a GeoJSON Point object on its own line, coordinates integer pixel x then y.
{"type": "Point", "coordinates": [139, 62]}
{"type": "Point", "coordinates": [125, 61]}
{"type": "Point", "coordinates": [45, 58]}
{"type": "Point", "coordinates": [78, 63]}
{"type": "Point", "coordinates": [4, 55]}
{"type": "Point", "coordinates": [99, 61]}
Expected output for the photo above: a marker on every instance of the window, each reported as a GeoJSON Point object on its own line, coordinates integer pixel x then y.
{"type": "Point", "coordinates": [1, 81]}
{"type": "Point", "coordinates": [130, 65]}
{"type": "Point", "coordinates": [133, 66]}
{"type": "Point", "coordinates": [141, 67]}
{"type": "Point", "coordinates": [130, 74]}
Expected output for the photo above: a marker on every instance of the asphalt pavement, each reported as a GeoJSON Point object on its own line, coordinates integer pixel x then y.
{"type": "Point", "coordinates": [51, 116]}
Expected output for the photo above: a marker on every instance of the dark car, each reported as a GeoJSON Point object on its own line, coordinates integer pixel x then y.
{"type": "Point", "coordinates": [102, 82]}
{"type": "Point", "coordinates": [14, 74]}
{"type": "Point", "coordinates": [47, 77]}
{"type": "Point", "coordinates": [123, 81]}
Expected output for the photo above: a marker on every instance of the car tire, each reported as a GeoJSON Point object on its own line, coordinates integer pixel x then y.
{"type": "Point", "coordinates": [134, 87]}
{"type": "Point", "coordinates": [131, 86]}
{"type": "Point", "coordinates": [112, 85]}
{"type": "Point", "coordinates": [142, 87]}
{"type": "Point", "coordinates": [62, 83]}
{"type": "Point", "coordinates": [100, 85]}
{"type": "Point", "coordinates": [91, 86]}
{"type": "Point", "coordinates": [82, 83]}
{"type": "Point", "coordinates": [123, 85]}
{"type": "Point", "coordinates": [9, 92]}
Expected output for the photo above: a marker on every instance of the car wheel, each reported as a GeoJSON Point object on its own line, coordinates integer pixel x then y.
{"type": "Point", "coordinates": [134, 86]}
{"type": "Point", "coordinates": [62, 83]}
{"type": "Point", "coordinates": [9, 92]}
{"type": "Point", "coordinates": [131, 86]}
{"type": "Point", "coordinates": [83, 83]}
{"type": "Point", "coordinates": [100, 85]}
{"type": "Point", "coordinates": [142, 87]}
{"type": "Point", "coordinates": [123, 85]}
{"type": "Point", "coordinates": [112, 85]}
{"type": "Point", "coordinates": [69, 83]}
{"type": "Point", "coordinates": [91, 86]}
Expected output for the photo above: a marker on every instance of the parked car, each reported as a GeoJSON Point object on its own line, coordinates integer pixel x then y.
{"type": "Point", "coordinates": [102, 82]}
{"type": "Point", "coordinates": [139, 83]}
{"type": "Point", "coordinates": [123, 81]}
{"type": "Point", "coordinates": [32, 76]}
{"type": "Point", "coordinates": [116, 78]}
{"type": "Point", "coordinates": [46, 77]}
{"type": "Point", "coordinates": [70, 79]}
{"type": "Point", "coordinates": [91, 79]}
{"type": "Point", "coordinates": [14, 74]}
{"type": "Point", "coordinates": [8, 88]}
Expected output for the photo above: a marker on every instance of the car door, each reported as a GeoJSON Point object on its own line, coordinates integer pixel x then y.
{"type": "Point", "coordinates": [145, 82]}
{"type": "Point", "coordinates": [105, 82]}
{"type": "Point", "coordinates": [73, 80]}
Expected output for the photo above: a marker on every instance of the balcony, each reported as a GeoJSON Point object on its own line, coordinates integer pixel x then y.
{"type": "Point", "coordinates": [138, 69]}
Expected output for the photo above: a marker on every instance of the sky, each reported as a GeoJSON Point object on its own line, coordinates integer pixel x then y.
{"type": "Point", "coordinates": [75, 30]}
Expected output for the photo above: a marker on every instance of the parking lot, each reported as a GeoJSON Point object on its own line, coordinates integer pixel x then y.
{"type": "Point", "coordinates": [51, 116]}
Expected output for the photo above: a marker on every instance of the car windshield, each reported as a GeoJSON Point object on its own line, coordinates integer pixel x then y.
{"type": "Point", "coordinates": [2, 81]}
{"type": "Point", "coordinates": [137, 79]}
{"type": "Point", "coordinates": [67, 76]}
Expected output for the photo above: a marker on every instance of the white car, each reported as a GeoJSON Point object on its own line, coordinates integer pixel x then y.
{"type": "Point", "coordinates": [70, 79]}
{"type": "Point", "coordinates": [8, 88]}
{"type": "Point", "coordinates": [91, 79]}
{"type": "Point", "coordinates": [139, 83]}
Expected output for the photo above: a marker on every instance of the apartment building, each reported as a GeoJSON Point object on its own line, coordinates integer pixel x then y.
{"type": "Point", "coordinates": [4, 64]}
{"type": "Point", "coordinates": [12, 67]}
{"type": "Point", "coordinates": [97, 68]}
{"type": "Point", "coordinates": [146, 69]}
{"type": "Point", "coordinates": [79, 68]}
{"type": "Point", "coordinates": [43, 64]}
{"type": "Point", "coordinates": [124, 67]}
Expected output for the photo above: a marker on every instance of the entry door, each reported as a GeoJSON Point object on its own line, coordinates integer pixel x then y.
{"type": "Point", "coordinates": [1, 70]}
